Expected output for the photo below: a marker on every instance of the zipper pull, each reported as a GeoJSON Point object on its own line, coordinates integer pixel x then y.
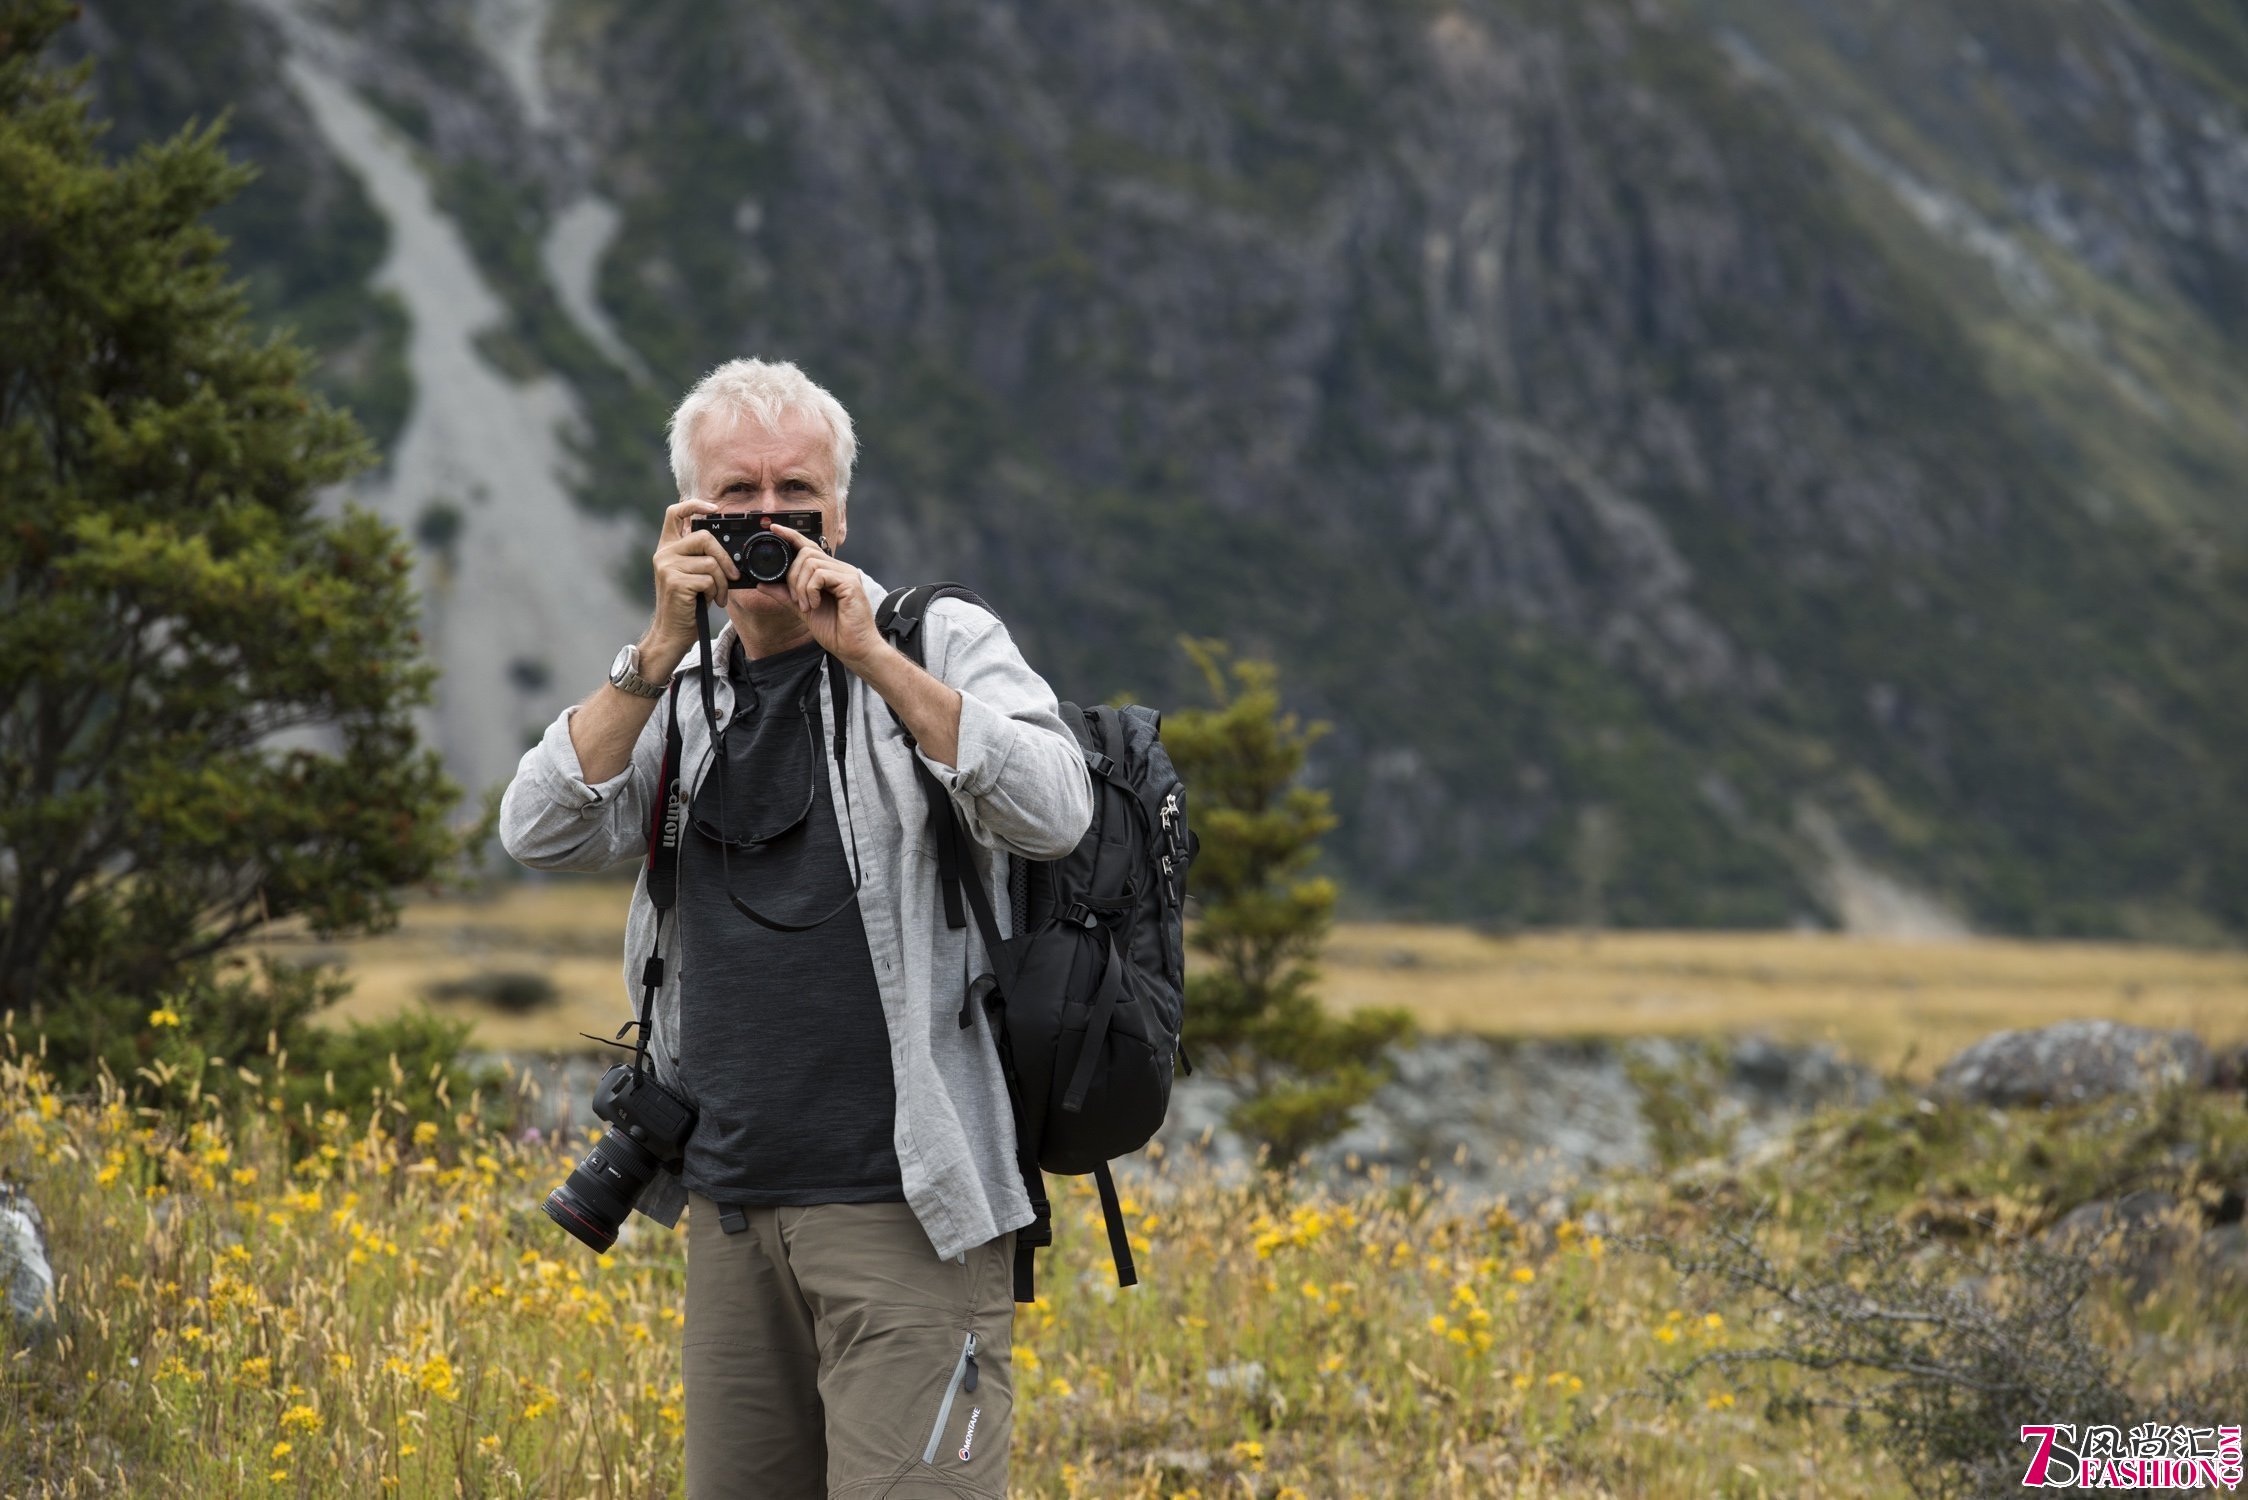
{"type": "Point", "coordinates": [969, 1382]}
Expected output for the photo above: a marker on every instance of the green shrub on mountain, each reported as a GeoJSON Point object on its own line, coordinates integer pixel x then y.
{"type": "Point", "coordinates": [1297, 1071]}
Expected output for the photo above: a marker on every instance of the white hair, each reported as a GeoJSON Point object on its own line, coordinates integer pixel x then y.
{"type": "Point", "coordinates": [765, 392]}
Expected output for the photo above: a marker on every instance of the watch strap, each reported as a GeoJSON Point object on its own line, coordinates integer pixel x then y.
{"type": "Point", "coordinates": [624, 676]}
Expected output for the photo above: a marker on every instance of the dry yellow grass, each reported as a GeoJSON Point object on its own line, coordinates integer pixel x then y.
{"type": "Point", "coordinates": [387, 1314]}
{"type": "Point", "coordinates": [1883, 1002]}
{"type": "Point", "coordinates": [1887, 1003]}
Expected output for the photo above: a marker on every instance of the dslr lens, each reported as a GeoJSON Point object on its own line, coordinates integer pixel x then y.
{"type": "Point", "coordinates": [602, 1188]}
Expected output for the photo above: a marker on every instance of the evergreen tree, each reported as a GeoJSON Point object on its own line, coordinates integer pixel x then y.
{"type": "Point", "coordinates": [1297, 1071]}
{"type": "Point", "coordinates": [206, 685]}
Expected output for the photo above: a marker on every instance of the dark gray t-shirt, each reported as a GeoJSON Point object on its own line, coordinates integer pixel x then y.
{"type": "Point", "coordinates": [785, 1047]}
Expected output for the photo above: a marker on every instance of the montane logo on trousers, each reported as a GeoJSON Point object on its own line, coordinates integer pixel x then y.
{"type": "Point", "coordinates": [969, 1436]}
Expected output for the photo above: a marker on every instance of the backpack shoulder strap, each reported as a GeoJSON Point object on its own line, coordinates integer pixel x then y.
{"type": "Point", "coordinates": [901, 612]}
{"type": "Point", "coordinates": [899, 618]}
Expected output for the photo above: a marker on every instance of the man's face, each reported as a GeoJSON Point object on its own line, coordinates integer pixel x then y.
{"type": "Point", "coordinates": [745, 468]}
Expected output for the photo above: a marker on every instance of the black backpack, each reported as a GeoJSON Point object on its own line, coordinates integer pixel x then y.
{"type": "Point", "coordinates": [1090, 992]}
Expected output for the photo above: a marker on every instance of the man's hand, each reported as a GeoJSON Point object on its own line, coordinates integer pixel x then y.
{"type": "Point", "coordinates": [830, 597]}
{"type": "Point", "coordinates": [687, 563]}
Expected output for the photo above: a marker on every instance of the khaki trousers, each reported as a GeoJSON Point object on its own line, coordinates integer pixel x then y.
{"type": "Point", "coordinates": [830, 1353]}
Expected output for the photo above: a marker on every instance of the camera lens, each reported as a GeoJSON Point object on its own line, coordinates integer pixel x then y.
{"type": "Point", "coordinates": [601, 1189]}
{"type": "Point", "coordinates": [766, 558]}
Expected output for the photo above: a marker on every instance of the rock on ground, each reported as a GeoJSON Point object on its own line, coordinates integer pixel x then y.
{"type": "Point", "coordinates": [2073, 1061]}
{"type": "Point", "coordinates": [1521, 1120]}
{"type": "Point", "coordinates": [27, 1278]}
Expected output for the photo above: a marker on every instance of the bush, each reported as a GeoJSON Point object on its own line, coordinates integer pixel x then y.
{"type": "Point", "coordinates": [516, 991]}
{"type": "Point", "coordinates": [1934, 1356]}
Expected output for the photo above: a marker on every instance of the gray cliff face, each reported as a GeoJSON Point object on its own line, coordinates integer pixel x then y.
{"type": "Point", "coordinates": [1699, 456]}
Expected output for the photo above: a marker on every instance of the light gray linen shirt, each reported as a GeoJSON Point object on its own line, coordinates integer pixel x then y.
{"type": "Point", "coordinates": [1021, 787]}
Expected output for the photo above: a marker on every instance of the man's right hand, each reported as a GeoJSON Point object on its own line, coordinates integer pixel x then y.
{"type": "Point", "coordinates": [687, 564]}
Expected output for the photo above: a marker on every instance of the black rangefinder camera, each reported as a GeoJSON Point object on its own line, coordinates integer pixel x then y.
{"type": "Point", "coordinates": [762, 556]}
{"type": "Point", "coordinates": [651, 1126]}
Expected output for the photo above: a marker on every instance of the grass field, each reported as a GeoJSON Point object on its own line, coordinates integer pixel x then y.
{"type": "Point", "coordinates": [361, 1302]}
{"type": "Point", "coordinates": [1896, 1005]}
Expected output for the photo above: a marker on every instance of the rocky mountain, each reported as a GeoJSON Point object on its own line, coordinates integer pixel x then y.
{"type": "Point", "coordinates": [1711, 461]}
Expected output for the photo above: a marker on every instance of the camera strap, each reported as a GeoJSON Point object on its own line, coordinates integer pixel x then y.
{"type": "Point", "coordinates": [664, 825]}
{"type": "Point", "coordinates": [668, 820]}
{"type": "Point", "coordinates": [838, 690]}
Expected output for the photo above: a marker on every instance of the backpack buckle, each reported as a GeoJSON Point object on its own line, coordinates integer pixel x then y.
{"type": "Point", "coordinates": [1102, 766]}
{"type": "Point", "coordinates": [1077, 913]}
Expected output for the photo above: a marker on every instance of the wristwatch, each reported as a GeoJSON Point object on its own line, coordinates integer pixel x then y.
{"type": "Point", "coordinates": [624, 675]}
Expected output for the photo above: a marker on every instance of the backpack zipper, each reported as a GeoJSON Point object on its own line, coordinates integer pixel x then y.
{"type": "Point", "coordinates": [963, 1378]}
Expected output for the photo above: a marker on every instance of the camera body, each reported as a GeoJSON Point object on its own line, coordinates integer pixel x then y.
{"type": "Point", "coordinates": [761, 556]}
{"type": "Point", "coordinates": [650, 1125]}
{"type": "Point", "coordinates": [651, 1114]}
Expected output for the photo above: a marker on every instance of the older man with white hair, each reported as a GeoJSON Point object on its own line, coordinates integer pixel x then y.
{"type": "Point", "coordinates": [850, 1179]}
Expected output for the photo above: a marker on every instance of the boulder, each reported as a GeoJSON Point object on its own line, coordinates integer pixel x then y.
{"type": "Point", "coordinates": [2229, 1069]}
{"type": "Point", "coordinates": [1522, 1120]}
{"type": "Point", "coordinates": [27, 1278]}
{"type": "Point", "coordinates": [2222, 1255]}
{"type": "Point", "coordinates": [2138, 1236]}
{"type": "Point", "coordinates": [2071, 1062]}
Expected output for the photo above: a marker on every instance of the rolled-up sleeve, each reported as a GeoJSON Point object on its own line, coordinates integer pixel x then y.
{"type": "Point", "coordinates": [552, 818]}
{"type": "Point", "coordinates": [1020, 780]}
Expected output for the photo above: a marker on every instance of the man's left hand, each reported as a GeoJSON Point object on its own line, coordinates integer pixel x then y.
{"type": "Point", "coordinates": [831, 597]}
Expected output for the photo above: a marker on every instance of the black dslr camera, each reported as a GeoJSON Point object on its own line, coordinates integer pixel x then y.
{"type": "Point", "coordinates": [762, 556]}
{"type": "Point", "coordinates": [651, 1129]}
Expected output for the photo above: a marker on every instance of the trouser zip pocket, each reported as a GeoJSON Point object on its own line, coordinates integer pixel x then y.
{"type": "Point", "coordinates": [963, 1379]}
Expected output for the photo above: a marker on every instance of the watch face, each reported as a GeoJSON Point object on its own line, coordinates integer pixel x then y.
{"type": "Point", "coordinates": [622, 665]}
